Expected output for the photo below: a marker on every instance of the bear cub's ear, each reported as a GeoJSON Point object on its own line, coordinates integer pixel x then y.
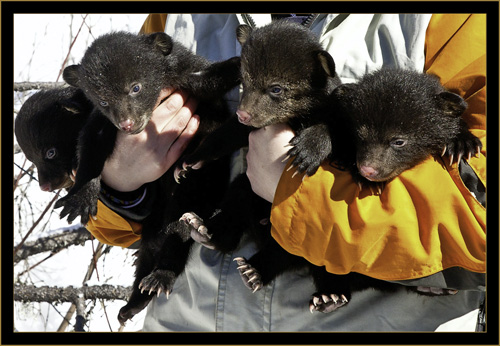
{"type": "Point", "coordinates": [75, 105]}
{"type": "Point", "coordinates": [71, 75]}
{"type": "Point", "coordinates": [452, 104]}
{"type": "Point", "coordinates": [160, 41]}
{"type": "Point", "coordinates": [243, 31]}
{"type": "Point", "coordinates": [326, 62]}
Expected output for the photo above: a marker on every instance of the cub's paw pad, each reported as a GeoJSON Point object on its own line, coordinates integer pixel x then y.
{"type": "Point", "coordinates": [250, 276]}
{"type": "Point", "coordinates": [159, 281]}
{"type": "Point", "coordinates": [326, 302]}
{"type": "Point", "coordinates": [199, 232]}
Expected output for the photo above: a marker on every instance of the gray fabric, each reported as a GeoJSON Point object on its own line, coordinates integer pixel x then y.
{"type": "Point", "coordinates": [456, 277]}
{"type": "Point", "coordinates": [210, 296]}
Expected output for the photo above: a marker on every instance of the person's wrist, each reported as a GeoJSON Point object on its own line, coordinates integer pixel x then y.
{"type": "Point", "coordinates": [118, 182]}
{"type": "Point", "coordinates": [265, 158]}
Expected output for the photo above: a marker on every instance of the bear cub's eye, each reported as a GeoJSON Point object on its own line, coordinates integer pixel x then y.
{"type": "Point", "coordinates": [51, 153]}
{"type": "Point", "coordinates": [136, 88]}
{"type": "Point", "coordinates": [398, 143]}
{"type": "Point", "coordinates": [276, 90]}
{"type": "Point", "coordinates": [103, 103]}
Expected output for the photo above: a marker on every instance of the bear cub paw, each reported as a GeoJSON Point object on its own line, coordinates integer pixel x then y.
{"type": "Point", "coordinates": [250, 276]}
{"type": "Point", "coordinates": [326, 302]}
{"type": "Point", "coordinates": [199, 232]}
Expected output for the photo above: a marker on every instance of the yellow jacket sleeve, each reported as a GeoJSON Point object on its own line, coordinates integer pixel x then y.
{"type": "Point", "coordinates": [155, 22]}
{"type": "Point", "coordinates": [110, 228]}
{"type": "Point", "coordinates": [425, 220]}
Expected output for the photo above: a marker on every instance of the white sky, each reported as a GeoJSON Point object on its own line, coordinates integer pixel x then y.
{"type": "Point", "coordinates": [41, 41]}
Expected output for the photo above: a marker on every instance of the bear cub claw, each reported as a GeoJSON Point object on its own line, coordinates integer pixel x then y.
{"type": "Point", "coordinates": [158, 281]}
{"type": "Point", "coordinates": [309, 149]}
{"type": "Point", "coordinates": [182, 172]}
{"type": "Point", "coordinates": [250, 276]}
{"type": "Point", "coordinates": [199, 232]}
{"type": "Point", "coordinates": [326, 302]}
{"type": "Point", "coordinates": [465, 146]}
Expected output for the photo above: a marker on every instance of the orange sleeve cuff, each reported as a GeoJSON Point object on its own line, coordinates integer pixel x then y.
{"type": "Point", "coordinates": [110, 228]}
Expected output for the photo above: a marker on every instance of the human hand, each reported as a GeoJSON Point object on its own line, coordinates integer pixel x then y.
{"type": "Point", "coordinates": [267, 149]}
{"type": "Point", "coordinates": [146, 156]}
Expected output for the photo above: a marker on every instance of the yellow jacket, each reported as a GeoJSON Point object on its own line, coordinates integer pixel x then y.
{"type": "Point", "coordinates": [425, 220]}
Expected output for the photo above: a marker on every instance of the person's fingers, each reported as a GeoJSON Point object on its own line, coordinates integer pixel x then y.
{"type": "Point", "coordinates": [168, 110]}
{"type": "Point", "coordinates": [182, 141]}
{"type": "Point", "coordinates": [182, 116]}
{"type": "Point", "coordinates": [175, 101]}
{"type": "Point", "coordinates": [267, 149]}
{"type": "Point", "coordinates": [164, 93]}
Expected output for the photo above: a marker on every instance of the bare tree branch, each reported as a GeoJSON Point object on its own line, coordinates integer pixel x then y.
{"type": "Point", "coordinates": [16, 248]}
{"type": "Point", "coordinates": [53, 243]}
{"type": "Point", "coordinates": [31, 293]}
{"type": "Point", "coordinates": [80, 313]}
{"type": "Point", "coordinates": [97, 254]}
{"type": "Point", "coordinates": [26, 86]}
{"type": "Point", "coordinates": [71, 47]}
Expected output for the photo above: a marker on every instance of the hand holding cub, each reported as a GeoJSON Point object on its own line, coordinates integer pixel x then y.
{"type": "Point", "coordinates": [144, 157]}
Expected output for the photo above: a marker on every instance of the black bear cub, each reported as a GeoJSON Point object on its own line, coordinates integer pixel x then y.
{"type": "Point", "coordinates": [47, 128]}
{"type": "Point", "coordinates": [278, 89]}
{"type": "Point", "coordinates": [123, 74]}
{"type": "Point", "coordinates": [392, 120]}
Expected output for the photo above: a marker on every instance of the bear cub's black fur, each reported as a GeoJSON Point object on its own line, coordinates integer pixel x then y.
{"type": "Point", "coordinates": [123, 75]}
{"type": "Point", "coordinates": [47, 128]}
{"type": "Point", "coordinates": [392, 119]}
